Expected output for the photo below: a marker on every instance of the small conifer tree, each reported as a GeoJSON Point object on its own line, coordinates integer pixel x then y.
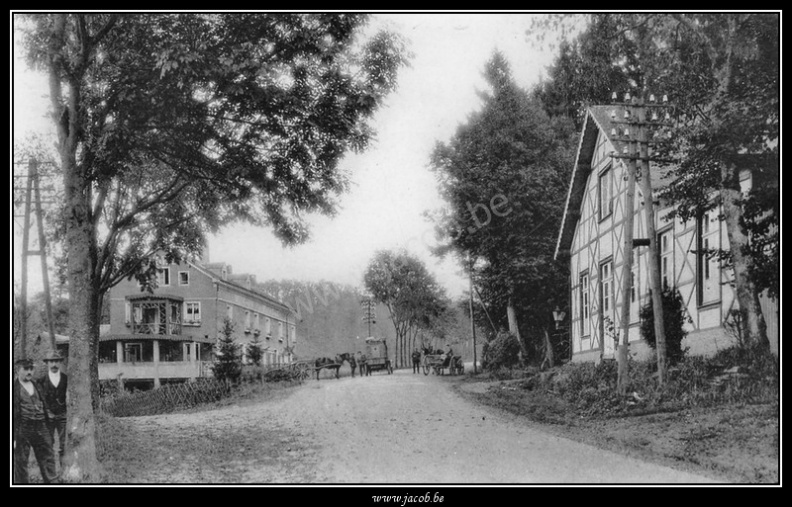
{"type": "Point", "coordinates": [228, 364]}
{"type": "Point", "coordinates": [254, 351]}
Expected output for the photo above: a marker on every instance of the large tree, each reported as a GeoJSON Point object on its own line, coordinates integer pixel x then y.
{"type": "Point", "coordinates": [171, 125]}
{"type": "Point", "coordinates": [504, 176]}
{"type": "Point", "coordinates": [414, 300]}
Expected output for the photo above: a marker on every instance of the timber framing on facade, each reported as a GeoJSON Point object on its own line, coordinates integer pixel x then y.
{"type": "Point", "coordinates": [591, 238]}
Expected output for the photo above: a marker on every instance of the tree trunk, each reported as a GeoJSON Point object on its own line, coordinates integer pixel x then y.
{"type": "Point", "coordinates": [549, 357]}
{"type": "Point", "coordinates": [81, 463]}
{"type": "Point", "coordinates": [655, 283]}
{"type": "Point", "coordinates": [511, 314]}
{"type": "Point", "coordinates": [745, 288]}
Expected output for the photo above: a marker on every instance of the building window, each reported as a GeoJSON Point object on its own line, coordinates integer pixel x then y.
{"type": "Point", "coordinates": [606, 287]}
{"type": "Point", "coordinates": [128, 313]}
{"type": "Point", "coordinates": [192, 313]}
{"type": "Point", "coordinates": [606, 193]}
{"type": "Point", "coordinates": [184, 278]}
{"type": "Point", "coordinates": [247, 321]}
{"type": "Point", "coordinates": [708, 266]}
{"type": "Point", "coordinates": [229, 312]}
{"type": "Point", "coordinates": [163, 277]}
{"type": "Point", "coordinates": [256, 323]}
{"type": "Point", "coordinates": [267, 327]}
{"type": "Point", "coordinates": [585, 327]}
{"type": "Point", "coordinates": [280, 331]}
{"type": "Point", "coordinates": [666, 259]}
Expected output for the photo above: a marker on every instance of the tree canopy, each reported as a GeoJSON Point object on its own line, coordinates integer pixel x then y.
{"type": "Point", "coordinates": [503, 176]}
{"type": "Point", "coordinates": [172, 125]}
{"type": "Point", "coordinates": [414, 300]}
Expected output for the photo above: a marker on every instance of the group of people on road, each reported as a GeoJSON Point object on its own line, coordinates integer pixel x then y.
{"type": "Point", "coordinates": [39, 415]}
{"type": "Point", "coordinates": [444, 355]}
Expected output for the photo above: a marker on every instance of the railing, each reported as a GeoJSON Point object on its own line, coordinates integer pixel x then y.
{"type": "Point", "coordinates": [163, 370]}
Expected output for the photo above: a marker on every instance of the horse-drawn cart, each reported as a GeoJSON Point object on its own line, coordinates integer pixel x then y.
{"type": "Point", "coordinates": [438, 362]}
{"type": "Point", "coordinates": [377, 356]}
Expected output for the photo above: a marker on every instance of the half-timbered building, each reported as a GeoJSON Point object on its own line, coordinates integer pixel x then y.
{"type": "Point", "coordinates": [592, 239]}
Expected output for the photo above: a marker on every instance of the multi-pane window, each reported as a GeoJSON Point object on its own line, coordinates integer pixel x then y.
{"type": "Point", "coordinates": [606, 286]}
{"type": "Point", "coordinates": [184, 278]}
{"type": "Point", "coordinates": [192, 312]}
{"type": "Point", "coordinates": [585, 327]}
{"type": "Point", "coordinates": [666, 259]}
{"type": "Point", "coordinates": [163, 277]}
{"type": "Point", "coordinates": [708, 276]}
{"type": "Point", "coordinates": [606, 193]}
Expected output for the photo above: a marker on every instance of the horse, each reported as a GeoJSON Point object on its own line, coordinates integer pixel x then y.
{"type": "Point", "coordinates": [350, 358]}
{"type": "Point", "coordinates": [326, 362]}
{"type": "Point", "coordinates": [335, 364]}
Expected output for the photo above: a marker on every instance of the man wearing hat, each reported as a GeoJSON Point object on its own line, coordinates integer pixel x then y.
{"type": "Point", "coordinates": [30, 426]}
{"type": "Point", "coordinates": [53, 387]}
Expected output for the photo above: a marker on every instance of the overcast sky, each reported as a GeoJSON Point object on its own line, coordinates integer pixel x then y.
{"type": "Point", "coordinates": [392, 184]}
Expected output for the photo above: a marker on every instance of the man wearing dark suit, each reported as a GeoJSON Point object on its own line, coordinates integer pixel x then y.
{"type": "Point", "coordinates": [53, 387]}
{"type": "Point", "coordinates": [30, 426]}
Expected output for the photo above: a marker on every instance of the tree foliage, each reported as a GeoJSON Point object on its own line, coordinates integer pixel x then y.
{"type": "Point", "coordinates": [172, 125]}
{"type": "Point", "coordinates": [255, 350]}
{"type": "Point", "coordinates": [675, 318]}
{"type": "Point", "coordinates": [188, 121]}
{"type": "Point", "coordinates": [227, 366]}
{"type": "Point", "coordinates": [503, 176]}
{"type": "Point", "coordinates": [721, 72]}
{"type": "Point", "coordinates": [414, 300]}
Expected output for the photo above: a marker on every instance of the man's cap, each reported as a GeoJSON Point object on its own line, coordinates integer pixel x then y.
{"type": "Point", "coordinates": [54, 356]}
{"type": "Point", "coordinates": [24, 363]}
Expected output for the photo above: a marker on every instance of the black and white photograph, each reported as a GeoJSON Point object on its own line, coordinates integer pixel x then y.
{"type": "Point", "coordinates": [404, 254]}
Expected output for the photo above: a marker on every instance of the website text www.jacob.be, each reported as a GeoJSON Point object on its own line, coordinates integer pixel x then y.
{"type": "Point", "coordinates": [403, 500]}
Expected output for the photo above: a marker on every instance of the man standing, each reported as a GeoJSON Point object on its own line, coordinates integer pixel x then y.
{"type": "Point", "coordinates": [30, 426]}
{"type": "Point", "coordinates": [416, 360]}
{"type": "Point", "coordinates": [53, 388]}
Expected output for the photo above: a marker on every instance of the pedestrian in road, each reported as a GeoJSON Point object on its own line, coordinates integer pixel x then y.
{"type": "Point", "coordinates": [416, 360]}
{"type": "Point", "coordinates": [30, 426]}
{"type": "Point", "coordinates": [361, 360]}
{"type": "Point", "coordinates": [53, 386]}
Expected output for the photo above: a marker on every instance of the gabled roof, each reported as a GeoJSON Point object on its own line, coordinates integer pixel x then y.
{"type": "Point", "coordinates": [598, 119]}
{"type": "Point", "coordinates": [219, 279]}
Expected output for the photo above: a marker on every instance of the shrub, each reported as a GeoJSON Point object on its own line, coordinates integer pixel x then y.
{"type": "Point", "coordinates": [674, 319]}
{"type": "Point", "coordinates": [502, 352]}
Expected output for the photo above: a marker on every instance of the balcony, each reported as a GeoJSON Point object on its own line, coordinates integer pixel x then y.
{"type": "Point", "coordinates": [155, 315]}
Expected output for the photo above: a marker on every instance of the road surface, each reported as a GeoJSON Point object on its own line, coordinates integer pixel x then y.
{"type": "Point", "coordinates": [402, 428]}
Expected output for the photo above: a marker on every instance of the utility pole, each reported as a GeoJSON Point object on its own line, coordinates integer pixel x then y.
{"type": "Point", "coordinates": [472, 320]}
{"type": "Point", "coordinates": [33, 198]}
{"type": "Point", "coordinates": [634, 131]}
{"type": "Point", "coordinates": [369, 313]}
{"type": "Point", "coordinates": [627, 259]}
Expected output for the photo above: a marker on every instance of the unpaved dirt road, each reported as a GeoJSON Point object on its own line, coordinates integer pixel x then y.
{"type": "Point", "coordinates": [402, 428]}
